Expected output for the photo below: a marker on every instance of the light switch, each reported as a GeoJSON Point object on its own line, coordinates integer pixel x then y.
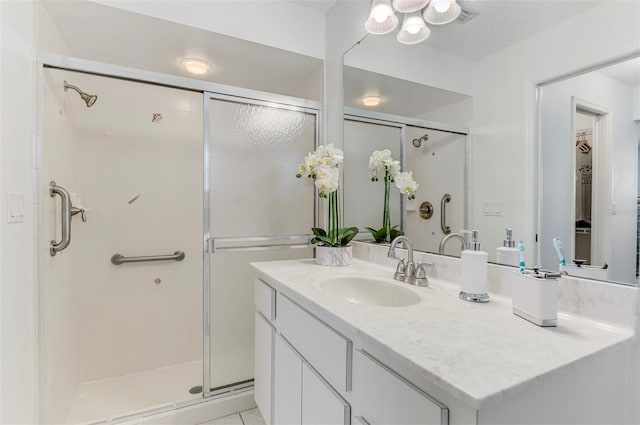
{"type": "Point", "coordinates": [14, 208]}
{"type": "Point", "coordinates": [492, 209]}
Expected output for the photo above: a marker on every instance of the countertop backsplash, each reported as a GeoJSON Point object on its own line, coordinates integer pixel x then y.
{"type": "Point", "coordinates": [603, 302]}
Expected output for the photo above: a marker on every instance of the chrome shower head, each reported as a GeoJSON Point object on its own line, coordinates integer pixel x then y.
{"type": "Point", "coordinates": [89, 99]}
{"type": "Point", "coordinates": [418, 142]}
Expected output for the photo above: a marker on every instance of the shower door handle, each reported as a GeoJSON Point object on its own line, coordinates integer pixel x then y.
{"type": "Point", "coordinates": [443, 214]}
{"type": "Point", "coordinates": [55, 247]}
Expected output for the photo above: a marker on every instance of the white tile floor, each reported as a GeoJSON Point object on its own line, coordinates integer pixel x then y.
{"type": "Point", "coordinates": [136, 392]}
{"type": "Point", "coordinates": [248, 417]}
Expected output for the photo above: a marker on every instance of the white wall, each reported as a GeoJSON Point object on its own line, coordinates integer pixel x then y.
{"type": "Point", "coordinates": [504, 119]}
{"type": "Point", "coordinates": [384, 55]}
{"type": "Point", "coordinates": [275, 23]}
{"type": "Point", "coordinates": [17, 289]}
{"type": "Point", "coordinates": [344, 27]}
{"type": "Point", "coordinates": [636, 103]}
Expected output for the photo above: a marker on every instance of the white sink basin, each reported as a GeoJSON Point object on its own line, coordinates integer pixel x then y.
{"type": "Point", "coordinates": [363, 290]}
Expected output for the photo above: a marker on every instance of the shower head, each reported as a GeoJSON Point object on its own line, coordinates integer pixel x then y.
{"type": "Point", "coordinates": [89, 99]}
{"type": "Point", "coordinates": [418, 142]}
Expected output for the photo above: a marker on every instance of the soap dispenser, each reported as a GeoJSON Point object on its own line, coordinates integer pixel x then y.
{"type": "Point", "coordinates": [474, 272]}
{"type": "Point", "coordinates": [508, 254]}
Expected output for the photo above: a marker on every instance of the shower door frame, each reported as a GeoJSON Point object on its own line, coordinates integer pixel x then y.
{"type": "Point", "coordinates": [47, 60]}
{"type": "Point", "coordinates": [259, 99]}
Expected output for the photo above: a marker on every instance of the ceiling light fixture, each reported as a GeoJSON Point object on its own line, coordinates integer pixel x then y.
{"type": "Point", "coordinates": [440, 12]}
{"type": "Point", "coordinates": [382, 19]}
{"type": "Point", "coordinates": [196, 66]}
{"type": "Point", "coordinates": [408, 6]}
{"type": "Point", "coordinates": [371, 100]}
{"type": "Point", "coordinates": [414, 30]}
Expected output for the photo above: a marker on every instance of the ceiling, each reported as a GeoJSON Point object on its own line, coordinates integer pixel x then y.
{"type": "Point", "coordinates": [627, 72]}
{"type": "Point", "coordinates": [158, 45]}
{"type": "Point", "coordinates": [320, 5]}
{"type": "Point", "coordinates": [400, 97]}
{"type": "Point", "coordinates": [496, 24]}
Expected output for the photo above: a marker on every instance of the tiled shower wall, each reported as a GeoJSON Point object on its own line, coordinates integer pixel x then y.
{"type": "Point", "coordinates": [60, 287]}
{"type": "Point", "coordinates": [142, 183]}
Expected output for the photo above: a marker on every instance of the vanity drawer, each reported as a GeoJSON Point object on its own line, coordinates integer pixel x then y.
{"type": "Point", "coordinates": [265, 299]}
{"type": "Point", "coordinates": [324, 348]}
{"type": "Point", "coordinates": [382, 397]}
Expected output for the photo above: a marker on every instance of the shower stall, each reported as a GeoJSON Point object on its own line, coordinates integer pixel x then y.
{"type": "Point", "coordinates": [157, 192]}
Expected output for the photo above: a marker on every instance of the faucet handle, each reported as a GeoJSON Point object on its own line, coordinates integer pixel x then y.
{"type": "Point", "coordinates": [401, 271]}
{"type": "Point", "coordinates": [421, 274]}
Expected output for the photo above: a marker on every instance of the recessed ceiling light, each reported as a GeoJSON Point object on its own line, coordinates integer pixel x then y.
{"type": "Point", "coordinates": [196, 66]}
{"type": "Point", "coordinates": [371, 100]}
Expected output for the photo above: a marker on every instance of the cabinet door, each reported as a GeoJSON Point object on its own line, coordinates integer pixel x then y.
{"type": "Point", "coordinates": [287, 384]}
{"type": "Point", "coordinates": [384, 398]}
{"type": "Point", "coordinates": [321, 404]}
{"type": "Point", "coordinates": [263, 366]}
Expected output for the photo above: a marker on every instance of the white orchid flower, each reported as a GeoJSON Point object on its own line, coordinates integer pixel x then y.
{"type": "Point", "coordinates": [327, 180]}
{"type": "Point", "coordinates": [381, 162]}
{"type": "Point", "coordinates": [406, 184]}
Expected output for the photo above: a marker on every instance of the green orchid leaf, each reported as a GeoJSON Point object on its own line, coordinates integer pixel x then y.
{"type": "Point", "coordinates": [322, 239]}
{"type": "Point", "coordinates": [318, 231]}
{"type": "Point", "coordinates": [394, 233]}
{"type": "Point", "coordinates": [347, 235]}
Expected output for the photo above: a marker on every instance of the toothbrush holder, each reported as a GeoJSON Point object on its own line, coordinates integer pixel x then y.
{"type": "Point", "coordinates": [535, 298]}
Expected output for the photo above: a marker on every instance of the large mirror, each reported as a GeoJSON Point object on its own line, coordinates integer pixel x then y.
{"type": "Point", "coordinates": [589, 135]}
{"type": "Point", "coordinates": [459, 110]}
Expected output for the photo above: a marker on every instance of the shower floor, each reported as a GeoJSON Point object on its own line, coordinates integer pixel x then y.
{"type": "Point", "coordinates": [110, 398]}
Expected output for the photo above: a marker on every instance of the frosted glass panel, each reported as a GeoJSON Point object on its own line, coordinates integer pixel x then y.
{"type": "Point", "coordinates": [256, 152]}
{"type": "Point", "coordinates": [254, 192]}
{"type": "Point", "coordinates": [364, 199]}
{"type": "Point", "coordinates": [232, 312]}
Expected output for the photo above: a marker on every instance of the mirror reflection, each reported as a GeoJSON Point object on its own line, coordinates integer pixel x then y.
{"type": "Point", "coordinates": [589, 134]}
{"type": "Point", "coordinates": [423, 127]}
{"type": "Point", "coordinates": [459, 111]}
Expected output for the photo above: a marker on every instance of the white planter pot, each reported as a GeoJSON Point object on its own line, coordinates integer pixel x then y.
{"type": "Point", "coordinates": [333, 256]}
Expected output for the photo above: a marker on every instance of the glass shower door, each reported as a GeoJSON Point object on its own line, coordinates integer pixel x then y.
{"type": "Point", "coordinates": [258, 211]}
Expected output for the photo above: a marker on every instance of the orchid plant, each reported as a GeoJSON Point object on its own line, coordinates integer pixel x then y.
{"type": "Point", "coordinates": [323, 166]}
{"type": "Point", "coordinates": [381, 164]}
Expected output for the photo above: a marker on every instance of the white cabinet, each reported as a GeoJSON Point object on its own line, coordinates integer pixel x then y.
{"type": "Point", "coordinates": [263, 366]}
{"type": "Point", "coordinates": [321, 404]}
{"type": "Point", "coordinates": [326, 350]}
{"type": "Point", "coordinates": [382, 397]}
{"type": "Point", "coordinates": [304, 374]}
{"type": "Point", "coordinates": [287, 384]}
{"type": "Point", "coordinates": [300, 395]}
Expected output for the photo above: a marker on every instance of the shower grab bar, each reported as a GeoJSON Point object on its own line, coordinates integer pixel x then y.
{"type": "Point", "coordinates": [118, 259]}
{"type": "Point", "coordinates": [55, 247]}
{"type": "Point", "coordinates": [304, 241]}
{"type": "Point", "coordinates": [443, 213]}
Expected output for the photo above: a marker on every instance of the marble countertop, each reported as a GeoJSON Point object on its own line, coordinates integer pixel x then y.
{"type": "Point", "coordinates": [479, 353]}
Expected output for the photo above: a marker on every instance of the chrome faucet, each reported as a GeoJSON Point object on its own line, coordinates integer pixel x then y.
{"type": "Point", "coordinates": [409, 272]}
{"type": "Point", "coordinates": [446, 239]}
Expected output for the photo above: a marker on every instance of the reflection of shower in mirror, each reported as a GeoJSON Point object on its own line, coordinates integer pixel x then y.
{"type": "Point", "coordinates": [418, 142]}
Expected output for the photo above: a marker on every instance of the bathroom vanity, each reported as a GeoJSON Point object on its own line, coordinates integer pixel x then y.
{"type": "Point", "coordinates": [352, 346]}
